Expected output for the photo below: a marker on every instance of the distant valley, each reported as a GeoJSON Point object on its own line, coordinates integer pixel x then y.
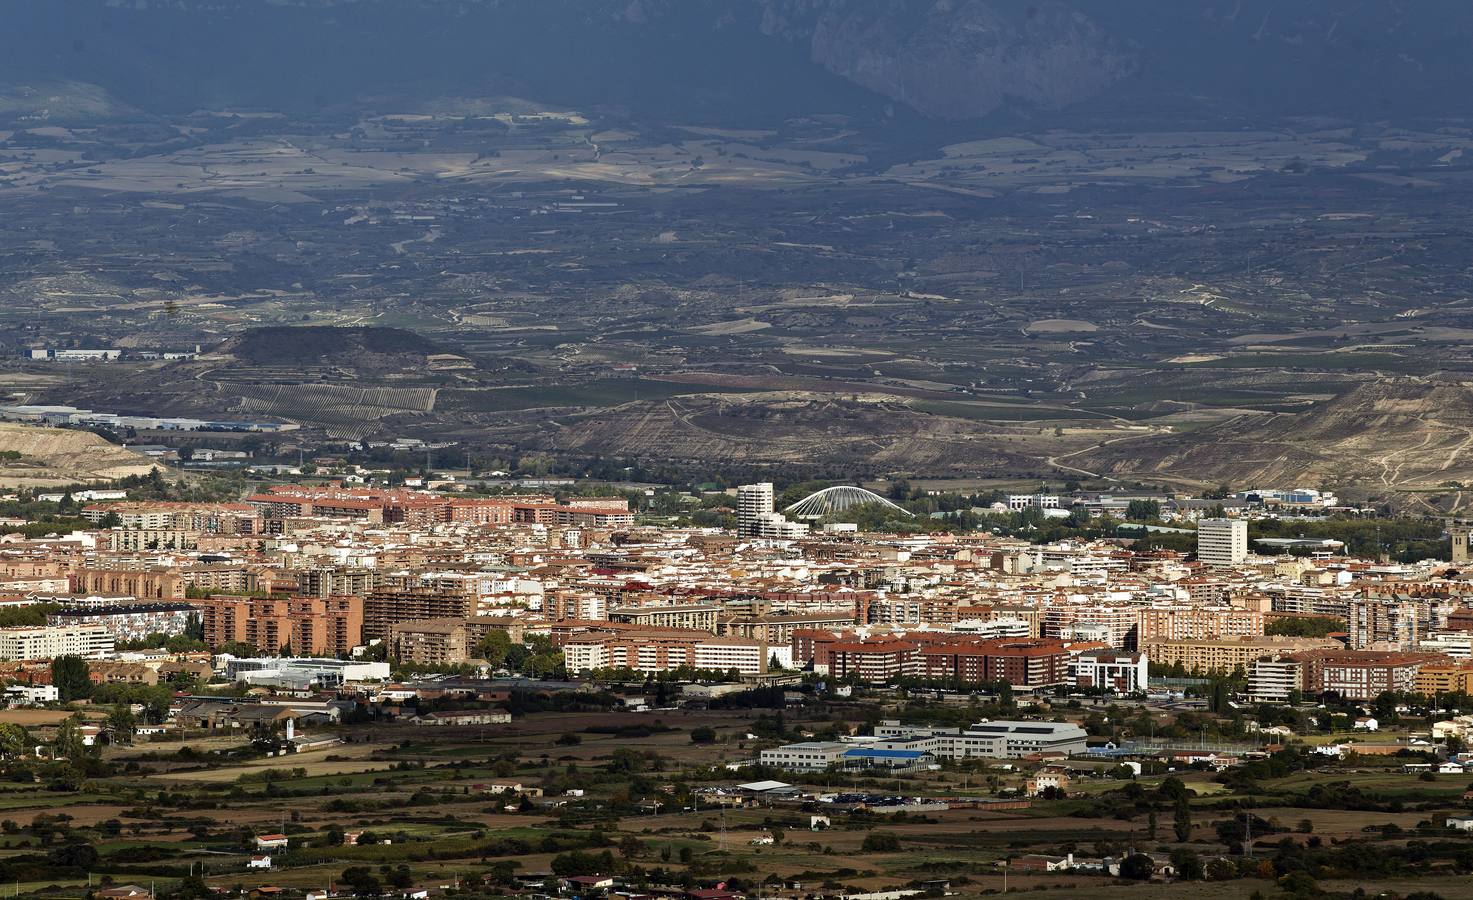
{"type": "Point", "coordinates": [1050, 272]}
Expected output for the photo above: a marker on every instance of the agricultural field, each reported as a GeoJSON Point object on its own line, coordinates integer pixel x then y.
{"type": "Point", "coordinates": [554, 280]}
{"type": "Point", "coordinates": [491, 810]}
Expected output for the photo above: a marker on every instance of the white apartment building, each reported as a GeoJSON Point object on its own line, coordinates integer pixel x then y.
{"type": "Point", "coordinates": [1082, 562]}
{"type": "Point", "coordinates": [777, 527]}
{"type": "Point", "coordinates": [148, 518]}
{"type": "Point", "coordinates": [994, 628]}
{"type": "Point", "coordinates": [1121, 620]}
{"type": "Point", "coordinates": [690, 617]}
{"type": "Point", "coordinates": [1455, 644]}
{"type": "Point", "coordinates": [1384, 624]}
{"type": "Point", "coordinates": [1088, 631]}
{"type": "Point", "coordinates": [757, 517]}
{"type": "Point", "coordinates": [585, 656]}
{"type": "Point", "coordinates": [1222, 542]}
{"type": "Point", "coordinates": [723, 654]}
{"type": "Point", "coordinates": [1271, 680]}
{"type": "Point", "coordinates": [754, 501]}
{"type": "Point", "coordinates": [49, 642]}
{"type": "Point", "coordinates": [1111, 670]}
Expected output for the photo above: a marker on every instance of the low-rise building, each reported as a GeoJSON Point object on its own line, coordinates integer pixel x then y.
{"type": "Point", "coordinates": [994, 740]}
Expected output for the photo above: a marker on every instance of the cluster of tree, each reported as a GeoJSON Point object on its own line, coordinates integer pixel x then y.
{"type": "Point", "coordinates": [30, 616]}
{"type": "Point", "coordinates": [1304, 626]}
{"type": "Point", "coordinates": [172, 643]}
{"type": "Point", "coordinates": [522, 702]}
{"type": "Point", "coordinates": [1402, 538]}
{"type": "Point", "coordinates": [1134, 799]}
{"type": "Point", "coordinates": [766, 697]}
{"type": "Point", "coordinates": [537, 657]}
{"type": "Point", "coordinates": [364, 882]}
{"type": "Point", "coordinates": [1143, 511]}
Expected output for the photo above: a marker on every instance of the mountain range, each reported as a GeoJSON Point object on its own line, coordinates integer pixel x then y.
{"type": "Point", "coordinates": [740, 60]}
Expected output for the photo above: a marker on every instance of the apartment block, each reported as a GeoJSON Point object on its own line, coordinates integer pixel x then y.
{"type": "Point", "coordinates": [1222, 542]}
{"type": "Point", "coordinates": [130, 621]}
{"type": "Point", "coordinates": [306, 625]}
{"type": "Point", "coordinates": [1109, 670]}
{"type": "Point", "coordinates": [384, 607]}
{"type": "Point", "coordinates": [49, 642]}
{"type": "Point", "coordinates": [431, 641]}
{"type": "Point", "coordinates": [1227, 654]}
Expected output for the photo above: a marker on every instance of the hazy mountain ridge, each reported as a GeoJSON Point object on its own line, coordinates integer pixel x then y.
{"type": "Point", "coordinates": [719, 58]}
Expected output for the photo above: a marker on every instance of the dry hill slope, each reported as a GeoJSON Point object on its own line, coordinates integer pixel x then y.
{"type": "Point", "coordinates": [797, 429]}
{"type": "Point", "coordinates": [54, 457]}
{"type": "Point", "coordinates": [1406, 433]}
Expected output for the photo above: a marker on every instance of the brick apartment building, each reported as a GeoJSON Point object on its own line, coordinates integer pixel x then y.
{"type": "Point", "coordinates": [450, 640]}
{"type": "Point", "coordinates": [1362, 675]}
{"type": "Point", "coordinates": [307, 625]}
{"type": "Point", "coordinates": [385, 607]}
{"type": "Point", "coordinates": [1023, 662]}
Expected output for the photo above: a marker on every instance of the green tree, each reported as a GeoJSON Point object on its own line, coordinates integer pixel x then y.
{"type": "Point", "coordinates": [361, 881]}
{"type": "Point", "coordinates": [1181, 823]}
{"type": "Point", "coordinates": [122, 724]}
{"type": "Point", "coordinates": [14, 740]}
{"type": "Point", "coordinates": [1187, 863]}
{"type": "Point", "coordinates": [69, 675]}
{"type": "Point", "coordinates": [880, 842]}
{"type": "Point", "coordinates": [1174, 789]}
{"type": "Point", "coordinates": [1137, 867]}
{"type": "Point", "coordinates": [73, 855]}
{"type": "Point", "coordinates": [1143, 511]}
{"type": "Point", "coordinates": [1304, 626]}
{"type": "Point", "coordinates": [494, 646]}
{"type": "Point", "coordinates": [68, 742]}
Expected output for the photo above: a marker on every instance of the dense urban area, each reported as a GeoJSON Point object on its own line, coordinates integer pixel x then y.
{"type": "Point", "coordinates": [415, 682]}
{"type": "Point", "coordinates": [736, 449]}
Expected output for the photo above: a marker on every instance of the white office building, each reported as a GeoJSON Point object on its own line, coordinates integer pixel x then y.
{"type": "Point", "coordinates": [993, 740]}
{"type": "Point", "coordinates": [1222, 542]}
